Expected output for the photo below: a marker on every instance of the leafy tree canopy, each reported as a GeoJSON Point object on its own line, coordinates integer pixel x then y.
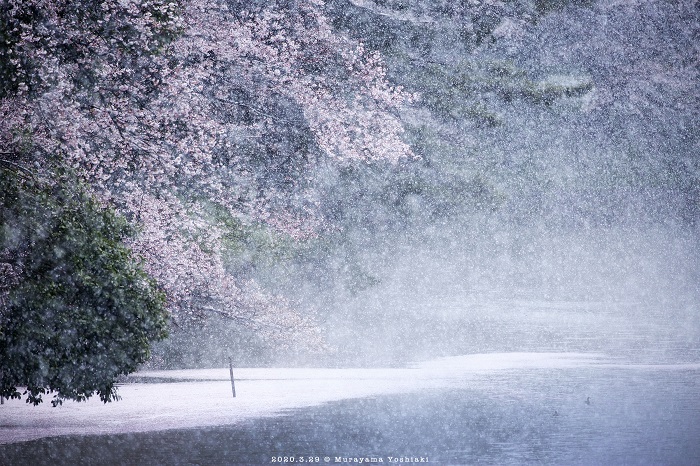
{"type": "Point", "coordinates": [76, 308]}
{"type": "Point", "coordinates": [169, 111]}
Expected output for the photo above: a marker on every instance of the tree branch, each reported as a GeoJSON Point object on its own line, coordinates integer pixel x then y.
{"type": "Point", "coordinates": [12, 164]}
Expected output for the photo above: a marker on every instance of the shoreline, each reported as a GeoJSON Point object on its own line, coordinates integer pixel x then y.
{"type": "Point", "coordinates": [186, 401]}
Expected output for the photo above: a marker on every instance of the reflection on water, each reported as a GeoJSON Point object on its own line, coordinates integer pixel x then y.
{"type": "Point", "coordinates": [635, 416]}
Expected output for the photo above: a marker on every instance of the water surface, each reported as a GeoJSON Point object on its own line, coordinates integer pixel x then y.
{"type": "Point", "coordinates": [637, 415]}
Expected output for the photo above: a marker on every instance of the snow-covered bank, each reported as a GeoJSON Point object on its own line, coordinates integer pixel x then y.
{"type": "Point", "coordinates": [206, 400]}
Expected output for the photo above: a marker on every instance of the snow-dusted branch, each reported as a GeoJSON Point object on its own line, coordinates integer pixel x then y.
{"type": "Point", "coordinates": [142, 99]}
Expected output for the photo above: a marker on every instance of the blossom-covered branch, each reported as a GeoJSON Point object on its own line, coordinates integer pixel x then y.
{"type": "Point", "coordinates": [158, 105]}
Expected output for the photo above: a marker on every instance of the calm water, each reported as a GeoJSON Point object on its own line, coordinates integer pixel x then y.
{"type": "Point", "coordinates": [636, 416]}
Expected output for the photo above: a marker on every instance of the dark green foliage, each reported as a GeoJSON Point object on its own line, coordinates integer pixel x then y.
{"type": "Point", "coordinates": [76, 308]}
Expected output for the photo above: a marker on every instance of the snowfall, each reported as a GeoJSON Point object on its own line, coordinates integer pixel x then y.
{"type": "Point", "coordinates": [203, 397]}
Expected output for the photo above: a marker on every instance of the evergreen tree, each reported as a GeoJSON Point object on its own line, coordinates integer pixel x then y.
{"type": "Point", "coordinates": [76, 308]}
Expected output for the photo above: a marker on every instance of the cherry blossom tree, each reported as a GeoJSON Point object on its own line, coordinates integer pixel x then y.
{"type": "Point", "coordinates": [168, 110]}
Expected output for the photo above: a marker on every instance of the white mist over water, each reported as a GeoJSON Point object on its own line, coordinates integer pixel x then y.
{"type": "Point", "coordinates": [590, 240]}
{"type": "Point", "coordinates": [507, 408]}
{"type": "Point", "coordinates": [202, 397]}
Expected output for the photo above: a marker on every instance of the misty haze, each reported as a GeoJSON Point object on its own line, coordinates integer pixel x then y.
{"type": "Point", "coordinates": [293, 231]}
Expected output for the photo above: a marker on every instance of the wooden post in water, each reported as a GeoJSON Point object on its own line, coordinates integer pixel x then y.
{"type": "Point", "coordinates": [230, 368]}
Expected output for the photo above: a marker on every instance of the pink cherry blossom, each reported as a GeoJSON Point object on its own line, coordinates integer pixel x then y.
{"type": "Point", "coordinates": [147, 101]}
